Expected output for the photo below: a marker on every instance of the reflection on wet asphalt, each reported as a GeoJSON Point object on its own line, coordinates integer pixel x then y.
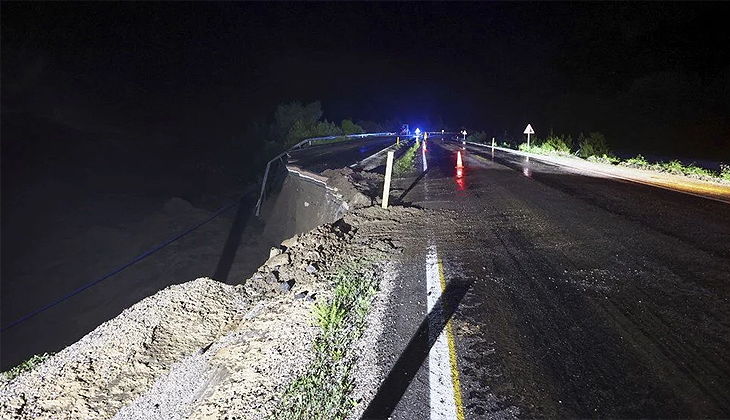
{"type": "Point", "coordinates": [591, 297]}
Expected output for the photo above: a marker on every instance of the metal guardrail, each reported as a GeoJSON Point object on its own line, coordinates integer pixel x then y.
{"type": "Point", "coordinates": [298, 146]}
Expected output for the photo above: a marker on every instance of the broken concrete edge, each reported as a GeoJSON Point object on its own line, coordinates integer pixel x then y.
{"type": "Point", "coordinates": [340, 184]}
{"type": "Point", "coordinates": [128, 364]}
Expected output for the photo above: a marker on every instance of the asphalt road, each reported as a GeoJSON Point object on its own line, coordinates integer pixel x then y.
{"type": "Point", "coordinates": [338, 155]}
{"type": "Point", "coordinates": [569, 296]}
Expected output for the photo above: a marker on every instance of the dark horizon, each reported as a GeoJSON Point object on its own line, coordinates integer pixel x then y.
{"type": "Point", "coordinates": [647, 75]}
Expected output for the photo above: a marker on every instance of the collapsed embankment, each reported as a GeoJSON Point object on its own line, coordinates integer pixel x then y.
{"type": "Point", "coordinates": [204, 349]}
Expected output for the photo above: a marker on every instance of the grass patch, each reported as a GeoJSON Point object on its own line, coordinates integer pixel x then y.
{"type": "Point", "coordinates": [636, 162]}
{"type": "Point", "coordinates": [26, 366]}
{"type": "Point", "coordinates": [323, 391]}
{"type": "Point", "coordinates": [677, 168]}
{"type": "Point", "coordinates": [607, 159]}
{"type": "Point", "coordinates": [594, 148]}
{"type": "Point", "coordinates": [407, 162]}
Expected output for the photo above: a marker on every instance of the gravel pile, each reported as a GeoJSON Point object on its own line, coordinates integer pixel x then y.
{"type": "Point", "coordinates": [119, 360]}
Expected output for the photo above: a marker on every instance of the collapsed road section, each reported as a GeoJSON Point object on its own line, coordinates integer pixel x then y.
{"type": "Point", "coordinates": [490, 290]}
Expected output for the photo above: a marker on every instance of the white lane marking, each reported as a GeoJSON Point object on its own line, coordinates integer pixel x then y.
{"type": "Point", "coordinates": [443, 403]}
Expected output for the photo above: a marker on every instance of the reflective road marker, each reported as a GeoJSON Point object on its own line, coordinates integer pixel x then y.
{"type": "Point", "coordinates": [443, 375]}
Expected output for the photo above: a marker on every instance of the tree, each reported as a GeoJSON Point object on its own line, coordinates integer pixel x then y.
{"type": "Point", "coordinates": [287, 115]}
{"type": "Point", "coordinates": [348, 127]}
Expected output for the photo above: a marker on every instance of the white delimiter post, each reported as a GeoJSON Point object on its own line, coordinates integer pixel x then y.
{"type": "Point", "coordinates": [388, 172]}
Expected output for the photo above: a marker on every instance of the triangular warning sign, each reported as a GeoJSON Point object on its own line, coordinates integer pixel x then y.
{"type": "Point", "coordinates": [529, 130]}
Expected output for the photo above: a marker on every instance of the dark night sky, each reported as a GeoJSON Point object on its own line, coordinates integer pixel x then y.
{"type": "Point", "coordinates": [206, 68]}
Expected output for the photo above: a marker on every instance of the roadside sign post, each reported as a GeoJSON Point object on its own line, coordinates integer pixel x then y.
{"type": "Point", "coordinates": [528, 131]}
{"type": "Point", "coordinates": [388, 173]}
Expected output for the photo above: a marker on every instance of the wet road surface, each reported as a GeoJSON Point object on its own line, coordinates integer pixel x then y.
{"type": "Point", "coordinates": [576, 296]}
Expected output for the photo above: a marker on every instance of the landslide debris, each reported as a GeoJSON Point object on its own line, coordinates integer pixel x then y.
{"type": "Point", "coordinates": [206, 350]}
{"type": "Point", "coordinates": [107, 368]}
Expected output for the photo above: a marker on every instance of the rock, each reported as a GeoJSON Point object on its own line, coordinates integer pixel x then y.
{"type": "Point", "coordinates": [311, 298]}
{"type": "Point", "coordinates": [360, 200]}
{"type": "Point", "coordinates": [272, 278]}
{"type": "Point", "coordinates": [311, 269]}
{"type": "Point", "coordinates": [313, 256]}
{"type": "Point", "coordinates": [274, 251]}
{"type": "Point", "coordinates": [288, 243]}
{"type": "Point", "coordinates": [285, 286]}
{"type": "Point", "coordinates": [301, 295]}
{"type": "Point", "coordinates": [277, 260]}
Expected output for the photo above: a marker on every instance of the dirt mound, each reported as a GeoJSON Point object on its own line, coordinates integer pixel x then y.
{"type": "Point", "coordinates": [120, 359]}
{"type": "Point", "coordinates": [206, 350]}
{"type": "Point", "coordinates": [358, 189]}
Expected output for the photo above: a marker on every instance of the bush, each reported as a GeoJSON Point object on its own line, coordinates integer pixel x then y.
{"type": "Point", "coordinates": [594, 145]}
{"type": "Point", "coordinates": [301, 130]}
{"type": "Point", "coordinates": [288, 115]}
{"type": "Point", "coordinates": [551, 145]}
{"type": "Point", "coordinates": [555, 143]}
{"type": "Point", "coordinates": [506, 140]}
{"type": "Point", "coordinates": [478, 137]}
{"type": "Point", "coordinates": [523, 146]}
{"type": "Point", "coordinates": [348, 127]}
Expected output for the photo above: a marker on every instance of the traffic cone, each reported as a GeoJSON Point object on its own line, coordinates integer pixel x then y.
{"type": "Point", "coordinates": [459, 164]}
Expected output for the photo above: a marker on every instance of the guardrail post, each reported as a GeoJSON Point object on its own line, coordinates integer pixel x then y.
{"type": "Point", "coordinates": [388, 173]}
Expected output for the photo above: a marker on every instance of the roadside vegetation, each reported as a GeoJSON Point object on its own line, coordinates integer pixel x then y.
{"type": "Point", "coordinates": [677, 168]}
{"type": "Point", "coordinates": [407, 162]}
{"type": "Point", "coordinates": [595, 148]}
{"type": "Point", "coordinates": [25, 366]}
{"type": "Point", "coordinates": [477, 137]}
{"type": "Point", "coordinates": [324, 389]}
